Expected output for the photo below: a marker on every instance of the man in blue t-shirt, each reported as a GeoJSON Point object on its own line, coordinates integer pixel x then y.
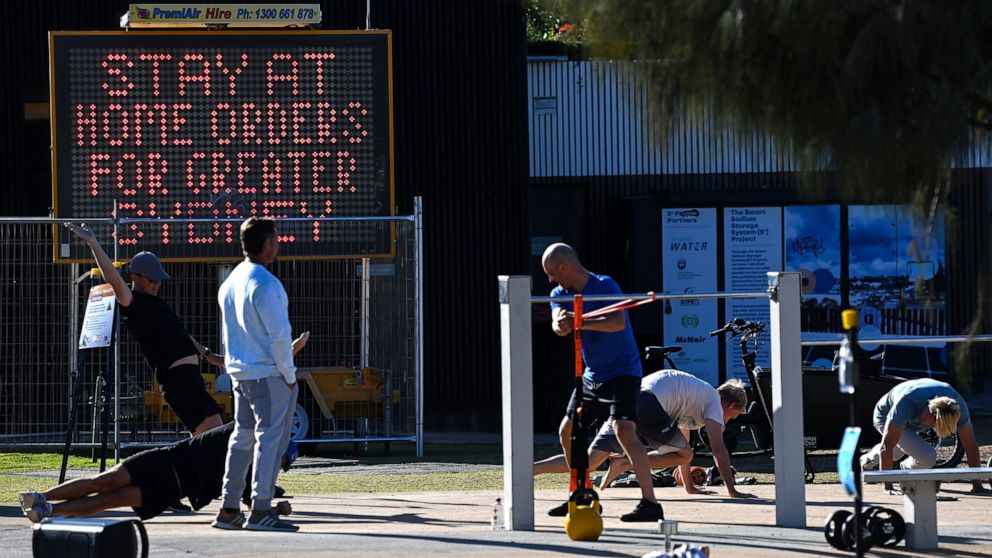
{"type": "Point", "coordinates": [612, 374]}
{"type": "Point", "coordinates": [911, 407]}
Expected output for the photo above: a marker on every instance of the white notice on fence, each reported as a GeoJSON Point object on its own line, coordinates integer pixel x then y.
{"type": "Point", "coordinates": [689, 257]}
{"type": "Point", "coordinates": [752, 246]}
{"type": "Point", "coordinates": [98, 323]}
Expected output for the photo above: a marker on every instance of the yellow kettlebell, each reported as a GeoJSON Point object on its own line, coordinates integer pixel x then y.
{"type": "Point", "coordinates": [583, 523]}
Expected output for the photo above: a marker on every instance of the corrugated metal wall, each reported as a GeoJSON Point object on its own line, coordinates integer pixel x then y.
{"type": "Point", "coordinates": [595, 118]}
{"type": "Point", "coordinates": [460, 142]}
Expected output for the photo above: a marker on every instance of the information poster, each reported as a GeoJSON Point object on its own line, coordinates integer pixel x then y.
{"type": "Point", "coordinates": [812, 247]}
{"type": "Point", "coordinates": [752, 246]}
{"type": "Point", "coordinates": [689, 262]}
{"type": "Point", "coordinates": [98, 323]}
{"type": "Point", "coordinates": [898, 283]}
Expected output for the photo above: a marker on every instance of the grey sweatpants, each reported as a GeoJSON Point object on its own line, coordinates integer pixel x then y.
{"type": "Point", "coordinates": [921, 454]}
{"type": "Point", "coordinates": [263, 411]}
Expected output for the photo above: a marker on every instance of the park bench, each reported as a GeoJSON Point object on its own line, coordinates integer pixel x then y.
{"type": "Point", "coordinates": [919, 488]}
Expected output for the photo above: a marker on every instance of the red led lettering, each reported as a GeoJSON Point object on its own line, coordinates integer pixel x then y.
{"type": "Point", "coordinates": [185, 77]}
{"type": "Point", "coordinates": [155, 59]}
{"type": "Point", "coordinates": [113, 64]}
{"type": "Point", "coordinates": [85, 121]}
{"type": "Point", "coordinates": [232, 75]}
{"type": "Point", "coordinates": [97, 170]}
{"type": "Point", "coordinates": [319, 58]}
{"type": "Point", "coordinates": [293, 77]}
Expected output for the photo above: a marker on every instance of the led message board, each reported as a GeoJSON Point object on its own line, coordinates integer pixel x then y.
{"type": "Point", "coordinates": [214, 125]}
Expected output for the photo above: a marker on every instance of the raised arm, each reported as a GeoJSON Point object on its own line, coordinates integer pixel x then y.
{"type": "Point", "coordinates": [110, 274]}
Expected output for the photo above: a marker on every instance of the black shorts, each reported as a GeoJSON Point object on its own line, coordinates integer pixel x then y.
{"type": "Point", "coordinates": [152, 472]}
{"type": "Point", "coordinates": [615, 399]}
{"type": "Point", "coordinates": [184, 391]}
{"type": "Point", "coordinates": [655, 429]}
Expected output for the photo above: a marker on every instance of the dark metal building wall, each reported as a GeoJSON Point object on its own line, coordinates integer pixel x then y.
{"type": "Point", "coordinates": [459, 87]}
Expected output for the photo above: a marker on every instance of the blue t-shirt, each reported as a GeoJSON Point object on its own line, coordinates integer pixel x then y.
{"type": "Point", "coordinates": [904, 404]}
{"type": "Point", "coordinates": [607, 355]}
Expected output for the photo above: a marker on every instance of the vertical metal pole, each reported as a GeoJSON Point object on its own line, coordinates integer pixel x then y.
{"type": "Point", "coordinates": [787, 400]}
{"type": "Point", "coordinates": [117, 352]}
{"type": "Point", "coordinates": [366, 284]}
{"type": "Point", "coordinates": [517, 402]}
{"type": "Point", "coordinates": [73, 329]}
{"type": "Point", "coordinates": [418, 334]}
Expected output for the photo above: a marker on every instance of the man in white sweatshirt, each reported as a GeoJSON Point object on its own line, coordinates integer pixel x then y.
{"type": "Point", "coordinates": [259, 359]}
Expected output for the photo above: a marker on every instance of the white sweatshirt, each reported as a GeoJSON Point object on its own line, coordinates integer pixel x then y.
{"type": "Point", "coordinates": [257, 335]}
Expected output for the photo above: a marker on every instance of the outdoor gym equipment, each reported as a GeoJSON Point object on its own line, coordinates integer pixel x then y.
{"type": "Point", "coordinates": [583, 522]}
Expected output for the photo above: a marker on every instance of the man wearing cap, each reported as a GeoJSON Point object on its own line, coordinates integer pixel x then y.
{"type": "Point", "coordinates": [168, 348]}
{"type": "Point", "coordinates": [148, 482]}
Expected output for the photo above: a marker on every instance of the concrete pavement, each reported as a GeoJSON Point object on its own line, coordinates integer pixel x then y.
{"type": "Point", "coordinates": [457, 524]}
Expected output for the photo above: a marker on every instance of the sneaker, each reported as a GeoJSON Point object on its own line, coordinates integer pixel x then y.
{"type": "Point", "coordinates": [230, 521]}
{"type": "Point", "coordinates": [562, 510]}
{"type": "Point", "coordinates": [268, 520]}
{"type": "Point", "coordinates": [559, 511]}
{"type": "Point", "coordinates": [38, 512]}
{"type": "Point", "coordinates": [280, 492]}
{"type": "Point", "coordinates": [180, 508]}
{"type": "Point", "coordinates": [644, 511]}
{"type": "Point", "coordinates": [31, 499]}
{"type": "Point", "coordinates": [867, 463]}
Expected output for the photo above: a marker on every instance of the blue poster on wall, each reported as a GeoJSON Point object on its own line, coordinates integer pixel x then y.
{"type": "Point", "coordinates": [812, 247]}
{"type": "Point", "coordinates": [752, 246]}
{"type": "Point", "coordinates": [897, 281]}
{"type": "Point", "coordinates": [689, 258]}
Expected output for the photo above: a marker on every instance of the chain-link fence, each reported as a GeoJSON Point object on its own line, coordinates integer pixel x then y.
{"type": "Point", "coordinates": [359, 374]}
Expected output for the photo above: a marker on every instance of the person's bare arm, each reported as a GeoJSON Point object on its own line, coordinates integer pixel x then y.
{"type": "Point", "coordinates": [966, 437]}
{"type": "Point", "coordinates": [714, 433]}
{"type": "Point", "coordinates": [110, 274]}
{"type": "Point", "coordinates": [890, 437]}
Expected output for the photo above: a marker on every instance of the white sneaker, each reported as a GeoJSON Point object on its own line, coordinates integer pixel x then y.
{"type": "Point", "coordinates": [868, 463]}
{"type": "Point", "coordinates": [269, 521]}
{"type": "Point", "coordinates": [30, 499]}
{"type": "Point", "coordinates": [38, 512]}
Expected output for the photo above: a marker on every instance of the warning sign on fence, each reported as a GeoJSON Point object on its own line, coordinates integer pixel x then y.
{"type": "Point", "coordinates": [98, 323]}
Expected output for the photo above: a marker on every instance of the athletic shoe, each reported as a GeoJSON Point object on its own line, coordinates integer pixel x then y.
{"type": "Point", "coordinates": [230, 521]}
{"type": "Point", "coordinates": [30, 499]}
{"type": "Point", "coordinates": [39, 512]}
{"type": "Point", "coordinates": [644, 511]}
{"type": "Point", "coordinates": [559, 511]}
{"type": "Point", "coordinates": [868, 463]}
{"type": "Point", "coordinates": [268, 520]}
{"type": "Point", "coordinates": [180, 508]}
{"type": "Point", "coordinates": [562, 510]}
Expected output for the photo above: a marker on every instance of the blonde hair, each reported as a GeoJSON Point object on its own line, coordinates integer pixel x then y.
{"type": "Point", "coordinates": [946, 413]}
{"type": "Point", "coordinates": [733, 391]}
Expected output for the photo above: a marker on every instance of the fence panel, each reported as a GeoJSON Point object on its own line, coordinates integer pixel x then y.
{"type": "Point", "coordinates": [357, 375]}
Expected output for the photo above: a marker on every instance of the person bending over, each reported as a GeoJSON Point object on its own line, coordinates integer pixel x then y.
{"type": "Point", "coordinates": [909, 408]}
{"type": "Point", "coordinates": [670, 405]}
{"type": "Point", "coordinates": [148, 482]}
{"type": "Point", "coordinates": [612, 369]}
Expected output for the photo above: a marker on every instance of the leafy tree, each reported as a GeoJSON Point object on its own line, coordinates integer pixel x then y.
{"type": "Point", "coordinates": [883, 92]}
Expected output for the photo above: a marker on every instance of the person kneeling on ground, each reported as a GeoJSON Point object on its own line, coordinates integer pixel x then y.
{"type": "Point", "coordinates": [910, 408]}
{"type": "Point", "coordinates": [670, 404]}
{"type": "Point", "coordinates": [149, 482]}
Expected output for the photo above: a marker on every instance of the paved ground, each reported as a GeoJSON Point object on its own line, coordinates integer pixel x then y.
{"type": "Point", "coordinates": [457, 524]}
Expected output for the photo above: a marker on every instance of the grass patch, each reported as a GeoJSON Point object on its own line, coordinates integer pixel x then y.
{"type": "Point", "coordinates": [23, 462]}
{"type": "Point", "coordinates": [299, 483]}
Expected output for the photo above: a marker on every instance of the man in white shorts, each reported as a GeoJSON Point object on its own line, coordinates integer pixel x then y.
{"type": "Point", "coordinates": [670, 404]}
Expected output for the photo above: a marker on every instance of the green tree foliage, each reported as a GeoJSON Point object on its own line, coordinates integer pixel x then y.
{"type": "Point", "coordinates": [885, 93]}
